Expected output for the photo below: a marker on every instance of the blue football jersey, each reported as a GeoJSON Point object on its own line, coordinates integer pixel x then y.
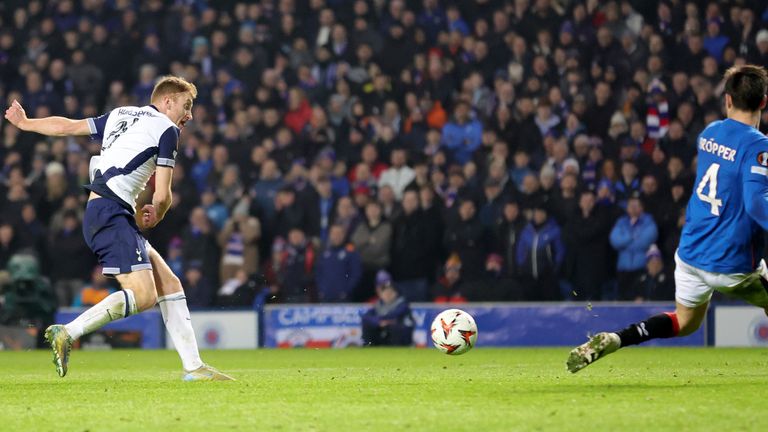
{"type": "Point", "coordinates": [729, 203]}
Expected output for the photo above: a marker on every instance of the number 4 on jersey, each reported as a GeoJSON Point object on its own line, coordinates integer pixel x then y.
{"type": "Point", "coordinates": [710, 178]}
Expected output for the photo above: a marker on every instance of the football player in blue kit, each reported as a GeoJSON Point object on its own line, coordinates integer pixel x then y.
{"type": "Point", "coordinates": [136, 143]}
{"type": "Point", "coordinates": [728, 209]}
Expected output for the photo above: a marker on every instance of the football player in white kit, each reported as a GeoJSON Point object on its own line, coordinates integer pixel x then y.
{"type": "Point", "coordinates": [136, 142]}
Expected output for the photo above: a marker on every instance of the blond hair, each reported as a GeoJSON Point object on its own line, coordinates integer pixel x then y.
{"type": "Point", "coordinates": [169, 85]}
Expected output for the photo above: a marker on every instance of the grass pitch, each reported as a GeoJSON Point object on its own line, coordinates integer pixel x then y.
{"type": "Point", "coordinates": [389, 390]}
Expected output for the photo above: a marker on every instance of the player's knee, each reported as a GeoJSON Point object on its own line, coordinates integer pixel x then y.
{"type": "Point", "coordinates": [169, 285]}
{"type": "Point", "coordinates": [173, 285]}
{"type": "Point", "coordinates": [688, 325]}
{"type": "Point", "coordinates": [687, 329]}
{"type": "Point", "coordinates": [145, 299]}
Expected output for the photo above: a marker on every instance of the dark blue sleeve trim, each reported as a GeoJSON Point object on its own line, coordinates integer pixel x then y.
{"type": "Point", "coordinates": [169, 141]}
{"type": "Point", "coordinates": [97, 126]}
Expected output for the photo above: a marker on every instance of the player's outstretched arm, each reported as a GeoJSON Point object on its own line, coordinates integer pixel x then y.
{"type": "Point", "coordinates": [51, 126]}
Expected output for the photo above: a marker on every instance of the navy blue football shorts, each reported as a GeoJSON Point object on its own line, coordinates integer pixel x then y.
{"type": "Point", "coordinates": [111, 232]}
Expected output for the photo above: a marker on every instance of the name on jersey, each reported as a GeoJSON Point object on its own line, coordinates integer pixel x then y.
{"type": "Point", "coordinates": [134, 113]}
{"type": "Point", "coordinates": [719, 150]}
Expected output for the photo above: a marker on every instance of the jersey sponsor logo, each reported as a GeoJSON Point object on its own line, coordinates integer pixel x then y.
{"type": "Point", "coordinates": [762, 159]}
{"type": "Point", "coordinates": [719, 150]}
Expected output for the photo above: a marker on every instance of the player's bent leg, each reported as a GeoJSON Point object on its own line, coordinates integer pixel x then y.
{"type": "Point", "coordinates": [166, 282]}
{"type": "Point", "coordinates": [693, 289]}
{"type": "Point", "coordinates": [141, 284]}
{"type": "Point", "coordinates": [752, 287]}
{"type": "Point", "coordinates": [173, 306]}
{"type": "Point", "coordinates": [684, 321]}
{"type": "Point", "coordinates": [689, 319]}
{"type": "Point", "coordinates": [137, 294]}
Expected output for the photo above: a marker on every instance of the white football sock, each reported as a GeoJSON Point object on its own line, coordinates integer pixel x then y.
{"type": "Point", "coordinates": [115, 306]}
{"type": "Point", "coordinates": [179, 326]}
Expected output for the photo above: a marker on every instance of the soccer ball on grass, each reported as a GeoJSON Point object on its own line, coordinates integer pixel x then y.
{"type": "Point", "coordinates": [454, 331]}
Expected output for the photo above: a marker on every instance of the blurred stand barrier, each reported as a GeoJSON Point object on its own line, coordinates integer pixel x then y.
{"type": "Point", "coordinates": [499, 324]}
{"type": "Point", "coordinates": [144, 330]}
{"type": "Point", "coordinates": [740, 326]}
{"type": "Point", "coordinates": [231, 329]}
{"type": "Point", "coordinates": [223, 330]}
{"type": "Point", "coordinates": [339, 325]}
{"type": "Point", "coordinates": [13, 338]}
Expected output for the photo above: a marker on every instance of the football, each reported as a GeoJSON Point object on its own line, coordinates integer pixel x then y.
{"type": "Point", "coordinates": [454, 331]}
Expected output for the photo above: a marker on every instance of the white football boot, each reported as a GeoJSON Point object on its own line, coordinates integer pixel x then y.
{"type": "Point", "coordinates": [206, 373]}
{"type": "Point", "coordinates": [598, 346]}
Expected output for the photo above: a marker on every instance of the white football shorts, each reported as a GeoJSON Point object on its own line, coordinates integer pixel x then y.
{"type": "Point", "coordinates": [694, 286]}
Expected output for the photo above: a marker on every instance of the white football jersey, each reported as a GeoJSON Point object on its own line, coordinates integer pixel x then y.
{"type": "Point", "coordinates": [134, 141]}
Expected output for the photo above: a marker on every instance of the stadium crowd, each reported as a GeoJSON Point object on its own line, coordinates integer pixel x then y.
{"type": "Point", "coordinates": [477, 149]}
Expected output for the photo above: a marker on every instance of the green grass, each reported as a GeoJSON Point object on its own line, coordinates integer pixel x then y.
{"type": "Point", "coordinates": [389, 390]}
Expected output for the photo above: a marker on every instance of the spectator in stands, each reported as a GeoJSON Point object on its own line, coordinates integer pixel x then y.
{"type": "Point", "coordinates": [521, 168]}
{"type": "Point", "coordinates": [410, 250]}
{"type": "Point", "coordinates": [390, 208]}
{"type": "Point", "coordinates": [373, 241]}
{"type": "Point", "coordinates": [338, 268]}
{"type": "Point", "coordinates": [238, 240]}
{"type": "Point", "coordinates": [652, 198]}
{"type": "Point", "coordinates": [507, 236]}
{"type": "Point", "coordinates": [73, 262]}
{"type": "Point", "coordinates": [655, 283]}
{"type": "Point", "coordinates": [469, 239]}
{"type": "Point", "coordinates": [198, 288]}
{"type": "Point", "coordinates": [398, 175]}
{"type": "Point", "coordinates": [56, 190]}
{"type": "Point", "coordinates": [760, 55]}
{"type": "Point", "coordinates": [495, 284]}
{"type": "Point", "coordinates": [450, 288]}
{"type": "Point", "coordinates": [289, 213]}
{"type": "Point", "coordinates": [216, 211]}
{"type": "Point", "coordinates": [540, 255]}
{"type": "Point", "coordinates": [492, 207]}
{"type": "Point", "coordinates": [199, 244]}
{"type": "Point", "coordinates": [229, 189]}
{"type": "Point", "coordinates": [714, 41]}
{"type": "Point", "coordinates": [462, 135]}
{"type": "Point", "coordinates": [31, 233]}
{"type": "Point", "coordinates": [293, 265]}
{"type": "Point", "coordinates": [8, 243]}
{"type": "Point", "coordinates": [346, 215]}
{"type": "Point", "coordinates": [565, 201]}
{"type": "Point", "coordinates": [175, 258]}
{"type": "Point", "coordinates": [99, 288]}
{"type": "Point", "coordinates": [631, 237]}
{"type": "Point", "coordinates": [299, 110]}
{"type": "Point", "coordinates": [628, 185]}
{"type": "Point", "coordinates": [265, 190]}
{"type": "Point", "coordinates": [322, 211]}
{"type": "Point", "coordinates": [586, 243]}
{"type": "Point", "coordinates": [389, 321]}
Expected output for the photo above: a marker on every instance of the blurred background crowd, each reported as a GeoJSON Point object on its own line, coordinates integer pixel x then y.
{"type": "Point", "coordinates": [477, 150]}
